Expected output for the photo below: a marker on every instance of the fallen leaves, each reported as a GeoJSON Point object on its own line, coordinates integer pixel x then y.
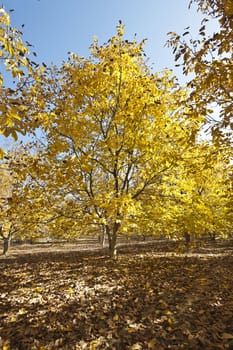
{"type": "Point", "coordinates": [131, 303]}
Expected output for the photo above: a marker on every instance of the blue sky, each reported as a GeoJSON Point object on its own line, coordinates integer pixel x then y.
{"type": "Point", "coordinates": [56, 27]}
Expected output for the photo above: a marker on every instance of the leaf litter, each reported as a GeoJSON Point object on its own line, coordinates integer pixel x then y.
{"type": "Point", "coordinates": [139, 301]}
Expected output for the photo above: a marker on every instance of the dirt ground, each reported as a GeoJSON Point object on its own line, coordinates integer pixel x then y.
{"type": "Point", "coordinates": [155, 295]}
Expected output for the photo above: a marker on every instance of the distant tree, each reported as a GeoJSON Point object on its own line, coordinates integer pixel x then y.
{"type": "Point", "coordinates": [19, 220]}
{"type": "Point", "coordinates": [194, 199]}
{"type": "Point", "coordinates": [5, 198]}
{"type": "Point", "coordinates": [198, 194]}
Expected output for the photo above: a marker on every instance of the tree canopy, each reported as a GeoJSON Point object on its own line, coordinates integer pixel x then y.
{"type": "Point", "coordinates": [210, 58]}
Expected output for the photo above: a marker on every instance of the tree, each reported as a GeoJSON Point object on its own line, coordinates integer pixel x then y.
{"type": "Point", "coordinates": [20, 219]}
{"type": "Point", "coordinates": [112, 129]}
{"type": "Point", "coordinates": [210, 59]}
{"type": "Point", "coordinates": [197, 194]}
{"type": "Point", "coordinates": [5, 198]}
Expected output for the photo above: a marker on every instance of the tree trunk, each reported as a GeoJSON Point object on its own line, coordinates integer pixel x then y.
{"type": "Point", "coordinates": [6, 240]}
{"type": "Point", "coordinates": [112, 247]}
{"type": "Point", "coordinates": [112, 239]}
{"type": "Point", "coordinates": [212, 237]}
{"type": "Point", "coordinates": [102, 236]}
{"type": "Point", "coordinates": [187, 238]}
{"type": "Point", "coordinates": [6, 244]}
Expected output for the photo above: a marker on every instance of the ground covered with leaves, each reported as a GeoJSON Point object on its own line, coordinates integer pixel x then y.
{"type": "Point", "coordinates": [143, 300]}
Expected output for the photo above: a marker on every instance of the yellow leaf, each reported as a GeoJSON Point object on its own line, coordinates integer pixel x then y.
{"type": "Point", "coordinates": [120, 30]}
{"type": "Point", "coordinates": [116, 317]}
{"type": "Point", "coordinates": [152, 343]}
{"type": "Point", "coordinates": [66, 329]}
{"type": "Point", "coordinates": [201, 312]}
{"type": "Point", "coordinates": [70, 290]}
{"type": "Point", "coordinates": [13, 319]}
{"type": "Point", "coordinates": [16, 116]}
{"type": "Point", "coordinates": [14, 135]}
{"type": "Point", "coordinates": [202, 280]}
{"type": "Point", "coordinates": [6, 346]}
{"type": "Point", "coordinates": [132, 330]}
{"type": "Point", "coordinates": [227, 336]}
{"type": "Point", "coordinates": [22, 311]}
{"type": "Point", "coordinates": [1, 153]}
{"type": "Point", "coordinates": [136, 346]}
{"type": "Point", "coordinates": [93, 345]}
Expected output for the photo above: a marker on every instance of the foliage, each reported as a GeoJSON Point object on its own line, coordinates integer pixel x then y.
{"type": "Point", "coordinates": [210, 59]}
{"type": "Point", "coordinates": [199, 194]}
{"type": "Point", "coordinates": [194, 198]}
{"type": "Point", "coordinates": [14, 101]}
{"type": "Point", "coordinates": [19, 217]}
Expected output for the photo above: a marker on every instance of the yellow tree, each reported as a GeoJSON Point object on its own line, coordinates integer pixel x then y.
{"type": "Point", "coordinates": [210, 58]}
{"type": "Point", "coordinates": [5, 198]}
{"type": "Point", "coordinates": [197, 194]}
{"type": "Point", "coordinates": [11, 205]}
{"type": "Point", "coordinates": [113, 129]}
{"type": "Point", "coordinates": [24, 214]}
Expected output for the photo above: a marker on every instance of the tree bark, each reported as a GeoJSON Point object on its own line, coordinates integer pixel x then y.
{"type": "Point", "coordinates": [102, 236]}
{"type": "Point", "coordinates": [112, 247]}
{"type": "Point", "coordinates": [212, 237]}
{"type": "Point", "coordinates": [6, 244]}
{"type": "Point", "coordinates": [112, 239]}
{"type": "Point", "coordinates": [187, 238]}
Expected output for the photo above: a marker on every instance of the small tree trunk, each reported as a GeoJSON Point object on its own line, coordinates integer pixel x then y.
{"type": "Point", "coordinates": [187, 240]}
{"type": "Point", "coordinates": [212, 237]}
{"type": "Point", "coordinates": [6, 244]}
{"type": "Point", "coordinates": [112, 239]}
{"type": "Point", "coordinates": [102, 236]}
{"type": "Point", "coordinates": [6, 240]}
{"type": "Point", "coordinates": [112, 248]}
